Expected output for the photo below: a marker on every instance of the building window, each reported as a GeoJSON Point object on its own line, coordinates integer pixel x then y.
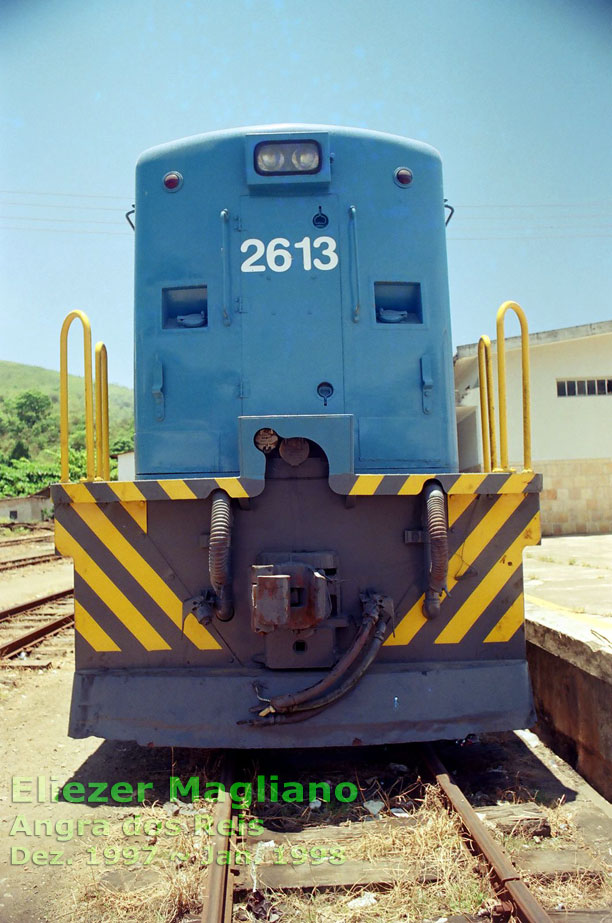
{"type": "Point", "coordinates": [583, 387]}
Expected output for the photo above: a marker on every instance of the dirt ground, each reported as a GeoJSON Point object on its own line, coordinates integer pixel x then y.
{"type": "Point", "coordinates": [34, 708]}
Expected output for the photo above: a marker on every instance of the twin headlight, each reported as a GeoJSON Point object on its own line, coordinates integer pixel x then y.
{"type": "Point", "coordinates": [280, 157]}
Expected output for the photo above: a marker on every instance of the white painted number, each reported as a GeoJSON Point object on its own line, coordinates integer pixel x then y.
{"type": "Point", "coordinates": [248, 264]}
{"type": "Point", "coordinates": [304, 246]}
{"type": "Point", "coordinates": [279, 259]}
{"type": "Point", "coordinates": [274, 253]}
{"type": "Point", "coordinates": [330, 251]}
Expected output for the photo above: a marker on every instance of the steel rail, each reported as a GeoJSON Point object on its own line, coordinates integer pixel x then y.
{"type": "Point", "coordinates": [8, 543]}
{"type": "Point", "coordinates": [218, 896]}
{"type": "Point", "coordinates": [32, 637]}
{"type": "Point", "coordinates": [25, 562]}
{"type": "Point", "coordinates": [33, 604]}
{"type": "Point", "coordinates": [527, 908]}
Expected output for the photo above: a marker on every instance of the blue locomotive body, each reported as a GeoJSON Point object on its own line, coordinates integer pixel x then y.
{"type": "Point", "coordinates": [297, 544]}
{"type": "Point", "coordinates": [256, 294]}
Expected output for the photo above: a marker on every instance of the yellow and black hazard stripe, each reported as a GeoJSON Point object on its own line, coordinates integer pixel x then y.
{"type": "Point", "coordinates": [143, 490]}
{"type": "Point", "coordinates": [355, 485]}
{"type": "Point", "coordinates": [484, 604]}
{"type": "Point", "coordinates": [375, 485]}
{"type": "Point", "coordinates": [127, 596]}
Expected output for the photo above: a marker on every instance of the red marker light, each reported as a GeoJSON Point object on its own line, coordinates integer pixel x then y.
{"type": "Point", "coordinates": [173, 181]}
{"type": "Point", "coordinates": [403, 176]}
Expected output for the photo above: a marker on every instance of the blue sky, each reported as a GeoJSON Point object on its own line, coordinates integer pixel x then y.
{"type": "Point", "coordinates": [515, 94]}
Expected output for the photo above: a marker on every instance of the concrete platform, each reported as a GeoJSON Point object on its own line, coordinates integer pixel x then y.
{"type": "Point", "coordinates": [568, 603]}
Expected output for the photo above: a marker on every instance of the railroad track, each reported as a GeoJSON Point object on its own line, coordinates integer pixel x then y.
{"type": "Point", "coordinates": [26, 625]}
{"type": "Point", "coordinates": [224, 880]}
{"type": "Point", "coordinates": [14, 563]}
{"type": "Point", "coordinates": [26, 540]}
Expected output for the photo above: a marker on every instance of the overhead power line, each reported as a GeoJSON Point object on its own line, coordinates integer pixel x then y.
{"type": "Point", "coordinates": [62, 220]}
{"type": "Point", "coordinates": [66, 231]}
{"type": "Point", "coordinates": [71, 195]}
{"type": "Point", "coordinates": [90, 208]}
{"type": "Point", "coordinates": [599, 204]}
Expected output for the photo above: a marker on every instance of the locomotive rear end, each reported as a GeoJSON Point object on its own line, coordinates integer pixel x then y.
{"type": "Point", "coordinates": [298, 561]}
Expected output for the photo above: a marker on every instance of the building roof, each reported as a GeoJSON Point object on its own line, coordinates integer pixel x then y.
{"type": "Point", "coordinates": [544, 337]}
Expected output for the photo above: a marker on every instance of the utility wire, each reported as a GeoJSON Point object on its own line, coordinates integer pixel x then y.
{"type": "Point", "coordinates": [91, 208]}
{"type": "Point", "coordinates": [66, 231]}
{"type": "Point", "coordinates": [63, 220]}
{"type": "Point", "coordinates": [72, 195]}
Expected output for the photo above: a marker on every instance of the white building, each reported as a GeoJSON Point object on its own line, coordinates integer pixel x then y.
{"type": "Point", "coordinates": [571, 421]}
{"type": "Point", "coordinates": [126, 466]}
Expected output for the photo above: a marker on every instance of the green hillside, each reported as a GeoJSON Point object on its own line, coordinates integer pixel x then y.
{"type": "Point", "coordinates": [29, 425]}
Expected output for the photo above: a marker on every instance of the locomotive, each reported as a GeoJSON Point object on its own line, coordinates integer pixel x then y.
{"type": "Point", "coordinates": [298, 561]}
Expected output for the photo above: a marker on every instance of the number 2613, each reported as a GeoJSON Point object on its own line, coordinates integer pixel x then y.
{"type": "Point", "coordinates": [279, 258]}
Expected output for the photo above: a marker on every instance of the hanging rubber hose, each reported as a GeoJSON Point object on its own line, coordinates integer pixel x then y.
{"type": "Point", "coordinates": [298, 706]}
{"type": "Point", "coordinates": [313, 707]}
{"type": "Point", "coordinates": [219, 551]}
{"type": "Point", "coordinates": [438, 549]}
{"type": "Point", "coordinates": [294, 699]}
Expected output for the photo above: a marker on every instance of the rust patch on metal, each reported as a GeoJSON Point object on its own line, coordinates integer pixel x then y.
{"type": "Point", "coordinates": [289, 595]}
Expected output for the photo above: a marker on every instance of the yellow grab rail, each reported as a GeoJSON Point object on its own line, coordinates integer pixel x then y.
{"type": "Point", "coordinates": [501, 383]}
{"type": "Point", "coordinates": [89, 413]}
{"type": "Point", "coordinates": [487, 404]}
{"type": "Point", "coordinates": [102, 439]}
{"type": "Point", "coordinates": [98, 460]}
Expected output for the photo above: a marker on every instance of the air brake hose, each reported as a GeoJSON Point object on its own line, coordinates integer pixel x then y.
{"type": "Point", "coordinates": [219, 551]}
{"type": "Point", "coordinates": [312, 707]}
{"type": "Point", "coordinates": [438, 545]}
{"type": "Point", "coordinates": [291, 700]}
{"type": "Point", "coordinates": [351, 681]}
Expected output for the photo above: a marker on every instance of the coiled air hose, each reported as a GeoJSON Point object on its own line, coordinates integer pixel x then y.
{"type": "Point", "coordinates": [219, 552]}
{"type": "Point", "coordinates": [438, 549]}
{"type": "Point", "coordinates": [299, 706]}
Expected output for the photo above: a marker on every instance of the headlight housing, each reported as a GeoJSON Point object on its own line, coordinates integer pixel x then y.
{"type": "Point", "coordinates": [274, 158]}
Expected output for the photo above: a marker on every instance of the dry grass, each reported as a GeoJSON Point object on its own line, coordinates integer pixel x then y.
{"type": "Point", "coordinates": [582, 890]}
{"type": "Point", "coordinates": [429, 848]}
{"type": "Point", "coordinates": [162, 891]}
{"type": "Point", "coordinates": [586, 891]}
{"type": "Point", "coordinates": [437, 875]}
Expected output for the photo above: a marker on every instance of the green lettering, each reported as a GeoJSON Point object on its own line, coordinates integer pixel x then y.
{"type": "Point", "coordinates": [122, 792]}
{"type": "Point", "coordinates": [213, 790]}
{"type": "Point", "coordinates": [64, 830]}
{"type": "Point", "coordinates": [240, 793]}
{"type": "Point", "coordinates": [16, 859]}
{"type": "Point", "coordinates": [313, 791]}
{"type": "Point", "coordinates": [72, 790]}
{"type": "Point", "coordinates": [191, 787]}
{"type": "Point", "coordinates": [293, 791]}
{"type": "Point", "coordinates": [96, 796]}
{"type": "Point", "coordinates": [140, 788]}
{"type": "Point", "coordinates": [20, 825]}
{"type": "Point", "coordinates": [339, 789]}
{"type": "Point", "coordinates": [17, 794]}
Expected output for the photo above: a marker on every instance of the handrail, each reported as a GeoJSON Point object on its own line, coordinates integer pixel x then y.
{"type": "Point", "coordinates": [355, 242]}
{"type": "Point", "coordinates": [102, 437]}
{"type": "Point", "coordinates": [501, 383]}
{"type": "Point", "coordinates": [487, 404]}
{"type": "Point", "coordinates": [89, 411]}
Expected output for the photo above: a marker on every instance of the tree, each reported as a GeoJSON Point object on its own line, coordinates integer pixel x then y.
{"type": "Point", "coordinates": [124, 442]}
{"type": "Point", "coordinates": [31, 406]}
{"type": "Point", "coordinates": [20, 450]}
